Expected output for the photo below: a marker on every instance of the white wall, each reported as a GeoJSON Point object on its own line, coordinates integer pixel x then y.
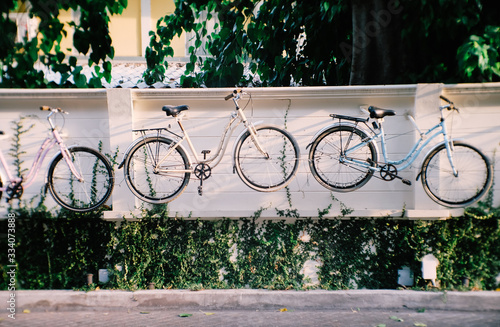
{"type": "Point", "coordinates": [110, 115]}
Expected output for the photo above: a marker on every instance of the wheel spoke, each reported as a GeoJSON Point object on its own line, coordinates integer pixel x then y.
{"type": "Point", "coordinates": [156, 185]}
{"type": "Point", "coordinates": [267, 173]}
{"type": "Point", "coordinates": [335, 170]}
{"type": "Point", "coordinates": [443, 186]}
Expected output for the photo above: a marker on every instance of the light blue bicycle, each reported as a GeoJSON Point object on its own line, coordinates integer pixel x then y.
{"type": "Point", "coordinates": [344, 156]}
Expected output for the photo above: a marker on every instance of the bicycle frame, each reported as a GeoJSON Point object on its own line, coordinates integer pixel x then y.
{"type": "Point", "coordinates": [238, 117]}
{"type": "Point", "coordinates": [46, 146]}
{"type": "Point", "coordinates": [417, 148]}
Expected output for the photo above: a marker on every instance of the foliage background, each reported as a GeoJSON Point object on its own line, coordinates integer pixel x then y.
{"type": "Point", "coordinates": [269, 43]}
{"type": "Point", "coordinates": [57, 252]}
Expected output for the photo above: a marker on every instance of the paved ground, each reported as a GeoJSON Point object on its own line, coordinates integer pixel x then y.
{"type": "Point", "coordinates": [371, 308]}
{"type": "Point", "coordinates": [369, 318]}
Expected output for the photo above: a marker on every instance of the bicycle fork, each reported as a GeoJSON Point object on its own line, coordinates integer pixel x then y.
{"type": "Point", "coordinates": [253, 134]}
{"type": "Point", "coordinates": [449, 152]}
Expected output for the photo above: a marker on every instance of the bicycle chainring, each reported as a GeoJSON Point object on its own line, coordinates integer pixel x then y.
{"type": "Point", "coordinates": [14, 191]}
{"type": "Point", "coordinates": [202, 171]}
{"type": "Point", "coordinates": [388, 172]}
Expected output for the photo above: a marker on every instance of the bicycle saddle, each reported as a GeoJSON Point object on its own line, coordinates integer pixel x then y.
{"type": "Point", "coordinates": [379, 112]}
{"type": "Point", "coordinates": [174, 110]}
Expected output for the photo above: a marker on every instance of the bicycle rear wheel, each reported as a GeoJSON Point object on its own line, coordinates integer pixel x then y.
{"type": "Point", "coordinates": [274, 171]}
{"type": "Point", "coordinates": [473, 180]}
{"type": "Point", "coordinates": [86, 195]}
{"type": "Point", "coordinates": [152, 185]}
{"type": "Point", "coordinates": [336, 170]}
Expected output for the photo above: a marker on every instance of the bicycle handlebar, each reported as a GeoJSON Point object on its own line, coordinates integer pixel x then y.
{"type": "Point", "coordinates": [235, 92]}
{"type": "Point", "coordinates": [445, 99]}
{"type": "Point", "coordinates": [47, 108]}
{"type": "Point", "coordinates": [451, 105]}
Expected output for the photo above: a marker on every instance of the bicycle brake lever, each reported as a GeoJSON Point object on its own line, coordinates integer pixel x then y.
{"type": "Point", "coordinates": [445, 99]}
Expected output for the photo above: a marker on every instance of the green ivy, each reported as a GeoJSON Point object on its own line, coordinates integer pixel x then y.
{"type": "Point", "coordinates": [58, 250]}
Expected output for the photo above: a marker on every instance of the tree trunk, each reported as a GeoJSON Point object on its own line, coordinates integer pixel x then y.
{"type": "Point", "coordinates": [376, 46]}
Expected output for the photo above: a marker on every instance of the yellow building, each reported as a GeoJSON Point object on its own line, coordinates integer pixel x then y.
{"type": "Point", "coordinates": [129, 31]}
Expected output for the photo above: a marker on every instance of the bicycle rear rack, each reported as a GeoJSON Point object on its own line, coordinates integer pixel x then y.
{"type": "Point", "coordinates": [356, 119]}
{"type": "Point", "coordinates": [144, 131]}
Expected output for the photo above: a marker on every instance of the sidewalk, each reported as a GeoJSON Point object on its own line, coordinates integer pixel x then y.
{"type": "Point", "coordinates": [254, 308]}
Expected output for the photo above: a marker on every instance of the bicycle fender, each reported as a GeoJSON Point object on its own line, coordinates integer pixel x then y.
{"type": "Point", "coordinates": [429, 152]}
{"type": "Point", "coordinates": [139, 140]}
{"type": "Point", "coordinates": [344, 123]}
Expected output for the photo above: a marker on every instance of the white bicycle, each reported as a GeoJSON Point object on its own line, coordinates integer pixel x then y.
{"type": "Point", "coordinates": [157, 168]}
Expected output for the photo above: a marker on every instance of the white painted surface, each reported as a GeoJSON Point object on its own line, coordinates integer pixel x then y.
{"type": "Point", "coordinates": [110, 115]}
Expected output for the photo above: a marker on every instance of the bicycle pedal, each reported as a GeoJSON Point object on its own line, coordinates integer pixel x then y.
{"type": "Point", "coordinates": [407, 182]}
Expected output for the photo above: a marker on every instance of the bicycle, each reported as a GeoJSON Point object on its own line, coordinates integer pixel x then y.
{"type": "Point", "coordinates": [157, 168]}
{"type": "Point", "coordinates": [344, 156]}
{"type": "Point", "coordinates": [79, 178]}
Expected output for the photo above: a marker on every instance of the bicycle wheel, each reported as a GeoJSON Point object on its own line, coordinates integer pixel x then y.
{"type": "Point", "coordinates": [336, 170]}
{"type": "Point", "coordinates": [473, 180]}
{"type": "Point", "coordinates": [76, 195]}
{"type": "Point", "coordinates": [271, 172]}
{"type": "Point", "coordinates": [145, 181]}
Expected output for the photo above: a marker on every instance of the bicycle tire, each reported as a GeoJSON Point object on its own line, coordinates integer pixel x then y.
{"type": "Point", "coordinates": [78, 196]}
{"type": "Point", "coordinates": [475, 175]}
{"type": "Point", "coordinates": [267, 174]}
{"type": "Point", "coordinates": [158, 187]}
{"type": "Point", "coordinates": [326, 163]}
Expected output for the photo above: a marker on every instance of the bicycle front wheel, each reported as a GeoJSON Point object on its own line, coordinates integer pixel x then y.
{"type": "Point", "coordinates": [340, 161]}
{"type": "Point", "coordinates": [81, 195]}
{"type": "Point", "coordinates": [472, 180]}
{"type": "Point", "coordinates": [273, 169]}
{"type": "Point", "coordinates": [154, 175]}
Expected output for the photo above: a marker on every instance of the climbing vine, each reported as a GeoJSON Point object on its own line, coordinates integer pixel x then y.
{"type": "Point", "coordinates": [58, 250]}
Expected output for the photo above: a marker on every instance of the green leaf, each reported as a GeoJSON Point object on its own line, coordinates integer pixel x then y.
{"type": "Point", "coordinates": [396, 318]}
{"type": "Point", "coordinates": [185, 315]}
{"type": "Point", "coordinates": [197, 43]}
{"type": "Point", "coordinates": [80, 80]}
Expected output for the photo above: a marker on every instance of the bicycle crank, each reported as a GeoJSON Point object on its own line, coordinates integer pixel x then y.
{"type": "Point", "coordinates": [202, 171]}
{"type": "Point", "coordinates": [389, 172]}
{"type": "Point", "coordinates": [14, 191]}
